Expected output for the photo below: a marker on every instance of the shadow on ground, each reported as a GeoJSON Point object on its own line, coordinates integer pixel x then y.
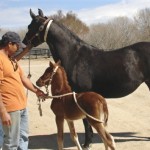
{"type": "Point", "coordinates": [50, 141]}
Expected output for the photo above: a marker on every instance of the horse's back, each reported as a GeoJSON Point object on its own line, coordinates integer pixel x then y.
{"type": "Point", "coordinates": [90, 100]}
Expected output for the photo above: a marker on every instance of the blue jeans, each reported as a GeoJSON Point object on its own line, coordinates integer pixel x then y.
{"type": "Point", "coordinates": [16, 135]}
{"type": "Point", "coordinates": [1, 135]}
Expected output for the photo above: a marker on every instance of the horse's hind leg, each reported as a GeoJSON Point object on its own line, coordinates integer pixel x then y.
{"type": "Point", "coordinates": [88, 134]}
{"type": "Point", "coordinates": [60, 126]}
{"type": "Point", "coordinates": [106, 137]}
{"type": "Point", "coordinates": [73, 134]}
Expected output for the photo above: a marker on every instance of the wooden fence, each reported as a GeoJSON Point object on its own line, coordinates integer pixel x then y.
{"type": "Point", "coordinates": [35, 53]}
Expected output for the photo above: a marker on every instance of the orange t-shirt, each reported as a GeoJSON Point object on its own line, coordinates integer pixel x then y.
{"type": "Point", "coordinates": [11, 87]}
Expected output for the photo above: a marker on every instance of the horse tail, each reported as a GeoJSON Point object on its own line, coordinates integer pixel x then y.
{"type": "Point", "coordinates": [106, 112]}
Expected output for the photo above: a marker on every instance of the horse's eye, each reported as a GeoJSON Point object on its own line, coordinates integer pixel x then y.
{"type": "Point", "coordinates": [41, 28]}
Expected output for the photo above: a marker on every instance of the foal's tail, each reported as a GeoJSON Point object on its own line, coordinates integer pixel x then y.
{"type": "Point", "coordinates": [106, 112]}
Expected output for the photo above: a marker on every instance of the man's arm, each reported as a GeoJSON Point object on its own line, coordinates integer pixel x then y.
{"type": "Point", "coordinates": [5, 117]}
{"type": "Point", "coordinates": [30, 86]}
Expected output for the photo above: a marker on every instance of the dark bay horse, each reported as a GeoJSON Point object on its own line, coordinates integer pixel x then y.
{"type": "Point", "coordinates": [72, 106]}
{"type": "Point", "coordinates": [113, 74]}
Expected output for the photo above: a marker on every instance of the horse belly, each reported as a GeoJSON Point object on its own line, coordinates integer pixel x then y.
{"type": "Point", "coordinates": [72, 112]}
{"type": "Point", "coordinates": [74, 116]}
{"type": "Point", "coordinates": [116, 90]}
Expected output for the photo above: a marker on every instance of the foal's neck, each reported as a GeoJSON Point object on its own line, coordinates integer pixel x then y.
{"type": "Point", "coordinates": [60, 84]}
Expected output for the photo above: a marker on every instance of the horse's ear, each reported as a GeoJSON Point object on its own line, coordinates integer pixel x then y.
{"type": "Point", "coordinates": [40, 12]}
{"type": "Point", "coordinates": [32, 14]}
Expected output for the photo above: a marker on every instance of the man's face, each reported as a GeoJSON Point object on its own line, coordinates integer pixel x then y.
{"type": "Point", "coordinates": [12, 48]}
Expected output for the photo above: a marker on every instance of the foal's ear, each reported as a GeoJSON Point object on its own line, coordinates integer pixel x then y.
{"type": "Point", "coordinates": [59, 62]}
{"type": "Point", "coordinates": [32, 14]}
{"type": "Point", "coordinates": [51, 64]}
{"type": "Point", "coordinates": [40, 12]}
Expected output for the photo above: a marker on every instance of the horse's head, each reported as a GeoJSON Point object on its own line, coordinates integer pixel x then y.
{"type": "Point", "coordinates": [37, 29]}
{"type": "Point", "coordinates": [47, 77]}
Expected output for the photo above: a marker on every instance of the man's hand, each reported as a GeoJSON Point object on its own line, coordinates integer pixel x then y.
{"type": "Point", "coordinates": [41, 94]}
{"type": "Point", "coordinates": [6, 119]}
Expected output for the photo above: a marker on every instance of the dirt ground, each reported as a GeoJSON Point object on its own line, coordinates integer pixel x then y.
{"type": "Point", "coordinates": [129, 119]}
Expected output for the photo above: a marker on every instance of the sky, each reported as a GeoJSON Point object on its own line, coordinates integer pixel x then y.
{"type": "Point", "coordinates": [15, 13]}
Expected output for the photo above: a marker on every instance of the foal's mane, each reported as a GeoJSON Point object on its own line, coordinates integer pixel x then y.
{"type": "Point", "coordinates": [65, 80]}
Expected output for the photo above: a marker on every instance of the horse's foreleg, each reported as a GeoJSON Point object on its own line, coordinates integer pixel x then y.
{"type": "Point", "coordinates": [60, 128]}
{"type": "Point", "coordinates": [88, 134]}
{"type": "Point", "coordinates": [73, 134]}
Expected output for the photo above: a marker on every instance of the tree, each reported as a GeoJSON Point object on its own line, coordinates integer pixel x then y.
{"type": "Point", "coordinates": [72, 22]}
{"type": "Point", "coordinates": [142, 20]}
{"type": "Point", "coordinates": [116, 33]}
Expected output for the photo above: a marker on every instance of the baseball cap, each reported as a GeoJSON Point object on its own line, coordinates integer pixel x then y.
{"type": "Point", "coordinates": [13, 37]}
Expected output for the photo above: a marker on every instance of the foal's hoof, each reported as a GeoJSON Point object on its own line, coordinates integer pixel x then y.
{"type": "Point", "coordinates": [86, 147]}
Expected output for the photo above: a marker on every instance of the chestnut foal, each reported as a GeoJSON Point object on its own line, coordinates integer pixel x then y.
{"type": "Point", "coordinates": [72, 106]}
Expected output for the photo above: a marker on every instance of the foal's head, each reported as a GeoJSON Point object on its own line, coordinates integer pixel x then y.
{"type": "Point", "coordinates": [56, 76]}
{"type": "Point", "coordinates": [48, 75]}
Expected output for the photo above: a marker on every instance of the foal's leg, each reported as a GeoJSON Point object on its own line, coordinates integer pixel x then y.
{"type": "Point", "coordinates": [73, 134]}
{"type": "Point", "coordinates": [88, 134]}
{"type": "Point", "coordinates": [60, 128]}
{"type": "Point", "coordinates": [106, 137]}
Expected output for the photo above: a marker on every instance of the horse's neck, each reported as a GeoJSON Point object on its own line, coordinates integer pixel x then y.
{"type": "Point", "coordinates": [62, 43]}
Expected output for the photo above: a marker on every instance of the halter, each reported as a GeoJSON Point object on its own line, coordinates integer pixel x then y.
{"type": "Point", "coordinates": [50, 80]}
{"type": "Point", "coordinates": [41, 28]}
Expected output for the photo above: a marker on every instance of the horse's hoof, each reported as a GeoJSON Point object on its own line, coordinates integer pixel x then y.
{"type": "Point", "coordinates": [86, 147]}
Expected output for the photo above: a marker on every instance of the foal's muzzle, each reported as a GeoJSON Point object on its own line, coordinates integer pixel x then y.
{"type": "Point", "coordinates": [40, 83]}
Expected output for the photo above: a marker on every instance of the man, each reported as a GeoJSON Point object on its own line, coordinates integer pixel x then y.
{"type": "Point", "coordinates": [13, 101]}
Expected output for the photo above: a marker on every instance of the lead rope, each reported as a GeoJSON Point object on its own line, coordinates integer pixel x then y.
{"type": "Point", "coordinates": [40, 98]}
{"type": "Point", "coordinates": [29, 75]}
{"type": "Point", "coordinates": [39, 102]}
{"type": "Point", "coordinates": [39, 106]}
{"type": "Point", "coordinates": [75, 99]}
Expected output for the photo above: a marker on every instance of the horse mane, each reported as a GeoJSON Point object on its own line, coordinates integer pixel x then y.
{"type": "Point", "coordinates": [64, 77]}
{"type": "Point", "coordinates": [76, 37]}
{"type": "Point", "coordinates": [71, 33]}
